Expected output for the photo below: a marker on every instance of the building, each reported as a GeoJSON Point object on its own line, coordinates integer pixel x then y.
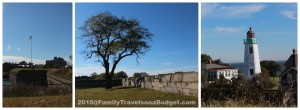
{"type": "Point", "coordinates": [251, 55]}
{"type": "Point", "coordinates": [57, 62]}
{"type": "Point", "coordinates": [214, 71]}
{"type": "Point", "coordinates": [288, 77]}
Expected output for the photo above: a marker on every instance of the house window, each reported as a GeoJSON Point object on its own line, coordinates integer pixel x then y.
{"type": "Point", "coordinates": [251, 50]}
{"type": "Point", "coordinates": [251, 72]}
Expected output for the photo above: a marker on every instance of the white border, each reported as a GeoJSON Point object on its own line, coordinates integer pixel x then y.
{"type": "Point", "coordinates": [99, 1]}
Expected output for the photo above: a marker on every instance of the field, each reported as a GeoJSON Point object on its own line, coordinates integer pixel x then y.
{"type": "Point", "coordinates": [128, 94]}
{"type": "Point", "coordinates": [42, 101]}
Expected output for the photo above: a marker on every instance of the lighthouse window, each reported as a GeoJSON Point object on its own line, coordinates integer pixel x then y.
{"type": "Point", "coordinates": [251, 72]}
{"type": "Point", "coordinates": [251, 50]}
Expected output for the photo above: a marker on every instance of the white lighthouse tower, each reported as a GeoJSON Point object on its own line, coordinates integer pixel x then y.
{"type": "Point", "coordinates": [251, 55]}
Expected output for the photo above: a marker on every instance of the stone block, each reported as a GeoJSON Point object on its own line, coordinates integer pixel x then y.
{"type": "Point", "coordinates": [177, 77]}
{"type": "Point", "coordinates": [190, 77]}
{"type": "Point", "coordinates": [187, 92]}
{"type": "Point", "coordinates": [192, 85]}
{"type": "Point", "coordinates": [165, 77]}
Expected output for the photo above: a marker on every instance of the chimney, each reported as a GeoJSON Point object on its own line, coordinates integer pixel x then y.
{"type": "Point", "coordinates": [294, 51]}
{"type": "Point", "coordinates": [210, 61]}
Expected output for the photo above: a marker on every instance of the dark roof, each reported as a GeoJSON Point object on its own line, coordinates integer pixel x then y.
{"type": "Point", "coordinates": [216, 67]}
{"type": "Point", "coordinates": [250, 33]}
{"type": "Point", "coordinates": [291, 63]}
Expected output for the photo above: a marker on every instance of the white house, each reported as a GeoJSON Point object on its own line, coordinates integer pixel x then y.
{"type": "Point", "coordinates": [214, 71]}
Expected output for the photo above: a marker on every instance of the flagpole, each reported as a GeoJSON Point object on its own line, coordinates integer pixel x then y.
{"type": "Point", "coordinates": [31, 50]}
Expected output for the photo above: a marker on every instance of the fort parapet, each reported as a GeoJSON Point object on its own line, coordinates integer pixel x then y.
{"type": "Point", "coordinates": [181, 82]}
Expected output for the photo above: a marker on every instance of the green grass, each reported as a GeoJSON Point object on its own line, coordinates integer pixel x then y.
{"type": "Point", "coordinates": [129, 94]}
{"type": "Point", "coordinates": [44, 101]}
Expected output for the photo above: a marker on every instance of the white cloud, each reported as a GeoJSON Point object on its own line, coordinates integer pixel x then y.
{"type": "Point", "coordinates": [227, 30]}
{"type": "Point", "coordinates": [8, 47]}
{"type": "Point", "coordinates": [207, 8]}
{"type": "Point", "coordinates": [18, 49]}
{"type": "Point", "coordinates": [166, 63]}
{"type": "Point", "coordinates": [225, 11]}
{"type": "Point", "coordinates": [19, 59]}
{"type": "Point", "coordinates": [289, 14]}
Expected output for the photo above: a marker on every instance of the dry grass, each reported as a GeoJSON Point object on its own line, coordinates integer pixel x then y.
{"type": "Point", "coordinates": [44, 101]}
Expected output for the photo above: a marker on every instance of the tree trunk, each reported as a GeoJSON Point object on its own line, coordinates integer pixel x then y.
{"type": "Point", "coordinates": [108, 76]}
{"type": "Point", "coordinates": [108, 82]}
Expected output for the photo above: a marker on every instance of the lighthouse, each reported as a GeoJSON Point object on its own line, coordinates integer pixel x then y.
{"type": "Point", "coordinates": [251, 55]}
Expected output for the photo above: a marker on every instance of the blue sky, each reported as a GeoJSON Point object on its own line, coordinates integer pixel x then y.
{"type": "Point", "coordinates": [224, 26]}
{"type": "Point", "coordinates": [49, 24]}
{"type": "Point", "coordinates": [175, 40]}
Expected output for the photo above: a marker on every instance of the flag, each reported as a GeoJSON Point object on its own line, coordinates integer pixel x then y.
{"type": "Point", "coordinates": [30, 37]}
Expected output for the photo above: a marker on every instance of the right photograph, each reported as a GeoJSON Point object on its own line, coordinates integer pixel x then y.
{"type": "Point", "coordinates": [249, 55]}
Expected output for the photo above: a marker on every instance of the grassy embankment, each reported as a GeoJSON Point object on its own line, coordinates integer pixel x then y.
{"type": "Point", "coordinates": [129, 94]}
{"type": "Point", "coordinates": [21, 95]}
{"type": "Point", "coordinates": [42, 101]}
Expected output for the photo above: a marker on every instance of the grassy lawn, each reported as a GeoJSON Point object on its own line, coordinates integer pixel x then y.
{"type": "Point", "coordinates": [91, 97]}
{"type": "Point", "coordinates": [42, 101]}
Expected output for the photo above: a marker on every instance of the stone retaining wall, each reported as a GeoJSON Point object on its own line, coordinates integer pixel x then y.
{"type": "Point", "coordinates": [182, 83]}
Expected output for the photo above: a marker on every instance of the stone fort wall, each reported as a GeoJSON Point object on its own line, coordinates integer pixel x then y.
{"type": "Point", "coordinates": [181, 82]}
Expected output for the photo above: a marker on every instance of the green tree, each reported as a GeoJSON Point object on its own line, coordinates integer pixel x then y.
{"type": "Point", "coordinates": [272, 67]}
{"type": "Point", "coordinates": [23, 63]}
{"type": "Point", "coordinates": [120, 74]}
{"type": "Point", "coordinates": [238, 82]}
{"type": "Point", "coordinates": [262, 80]}
{"type": "Point", "coordinates": [222, 82]}
{"type": "Point", "coordinates": [94, 75]}
{"type": "Point", "coordinates": [141, 74]}
{"type": "Point", "coordinates": [219, 61]}
{"type": "Point", "coordinates": [205, 59]}
{"type": "Point", "coordinates": [110, 39]}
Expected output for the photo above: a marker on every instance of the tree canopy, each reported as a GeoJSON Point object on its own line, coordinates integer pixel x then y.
{"type": "Point", "coordinates": [110, 39]}
{"type": "Point", "coordinates": [205, 58]}
{"type": "Point", "coordinates": [272, 67]}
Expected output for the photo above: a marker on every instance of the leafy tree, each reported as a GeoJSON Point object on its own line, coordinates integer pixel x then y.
{"type": "Point", "coordinates": [23, 63]}
{"type": "Point", "coordinates": [272, 67]}
{"type": "Point", "coordinates": [110, 39]}
{"type": "Point", "coordinates": [238, 82]}
{"type": "Point", "coordinates": [205, 58]}
{"type": "Point", "coordinates": [219, 61]}
{"type": "Point", "coordinates": [141, 74]}
{"type": "Point", "coordinates": [94, 75]}
{"type": "Point", "coordinates": [222, 82]}
{"type": "Point", "coordinates": [120, 74]}
{"type": "Point", "coordinates": [262, 80]}
{"type": "Point", "coordinates": [9, 66]}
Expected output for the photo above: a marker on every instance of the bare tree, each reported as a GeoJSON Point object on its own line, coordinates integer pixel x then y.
{"type": "Point", "coordinates": [110, 39]}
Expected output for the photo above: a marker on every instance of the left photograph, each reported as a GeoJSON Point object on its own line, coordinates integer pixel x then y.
{"type": "Point", "coordinates": [37, 55]}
